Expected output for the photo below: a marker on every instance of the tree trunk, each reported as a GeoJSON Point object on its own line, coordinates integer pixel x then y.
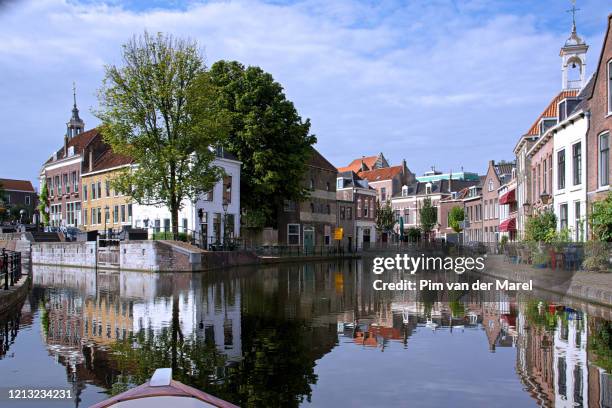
{"type": "Point", "coordinates": [174, 219]}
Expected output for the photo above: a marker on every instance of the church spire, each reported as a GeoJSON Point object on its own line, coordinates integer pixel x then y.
{"type": "Point", "coordinates": [75, 125]}
{"type": "Point", "coordinates": [573, 57]}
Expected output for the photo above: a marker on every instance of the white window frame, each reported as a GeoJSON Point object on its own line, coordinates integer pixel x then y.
{"type": "Point", "coordinates": [292, 234]}
{"type": "Point", "coordinates": [609, 65]}
{"type": "Point", "coordinates": [599, 163]}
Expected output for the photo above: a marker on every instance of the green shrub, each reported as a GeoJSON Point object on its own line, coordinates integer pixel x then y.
{"type": "Point", "coordinates": [601, 219]}
{"type": "Point", "coordinates": [541, 227]}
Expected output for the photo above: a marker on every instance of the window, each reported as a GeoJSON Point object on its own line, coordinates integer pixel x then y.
{"type": "Point", "coordinates": [123, 217]}
{"type": "Point", "coordinates": [85, 219]}
{"type": "Point", "coordinates": [563, 216]}
{"type": "Point", "coordinates": [383, 194]}
{"type": "Point", "coordinates": [289, 206]}
{"type": "Point", "coordinates": [129, 211]}
{"type": "Point", "coordinates": [293, 234]}
{"type": "Point", "coordinates": [227, 189]}
{"type": "Point", "coordinates": [107, 188]}
{"type": "Point", "coordinates": [185, 225]}
{"type": "Point", "coordinates": [99, 211]}
{"type": "Point", "coordinates": [561, 169]}
{"type": "Point", "coordinates": [349, 213]}
{"type": "Point", "coordinates": [428, 188]}
{"type": "Point", "coordinates": [577, 163]}
{"type": "Point", "coordinates": [84, 192]}
{"type": "Point", "coordinates": [208, 196]}
{"type": "Point", "coordinates": [342, 212]}
{"type": "Point", "coordinates": [490, 185]}
{"type": "Point", "coordinates": [94, 218]}
{"type": "Point", "coordinates": [27, 200]}
{"type": "Point", "coordinates": [93, 191]}
{"type": "Point", "coordinates": [116, 214]}
{"type": "Point", "coordinates": [550, 173]}
{"type": "Point", "coordinates": [166, 223]}
{"type": "Point", "coordinates": [157, 225]}
{"type": "Point", "coordinates": [66, 184]}
{"type": "Point", "coordinates": [577, 226]}
{"type": "Point", "coordinates": [327, 233]}
{"type": "Point", "coordinates": [545, 178]}
{"type": "Point", "coordinates": [75, 181]}
{"type": "Point", "coordinates": [99, 189]}
{"type": "Point", "coordinates": [610, 86]}
{"type": "Point", "coordinates": [604, 159]}
{"type": "Point", "coordinates": [365, 208]}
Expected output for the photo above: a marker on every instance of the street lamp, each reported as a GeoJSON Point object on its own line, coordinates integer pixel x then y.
{"type": "Point", "coordinates": [225, 205]}
{"type": "Point", "coordinates": [105, 220]}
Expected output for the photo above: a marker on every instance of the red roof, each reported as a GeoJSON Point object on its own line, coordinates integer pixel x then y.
{"type": "Point", "coordinates": [386, 173]}
{"type": "Point", "coordinates": [109, 160]}
{"type": "Point", "coordinates": [355, 165]}
{"type": "Point", "coordinates": [17, 185]}
{"type": "Point", "coordinates": [508, 225]}
{"type": "Point", "coordinates": [79, 142]}
{"type": "Point", "coordinates": [551, 110]}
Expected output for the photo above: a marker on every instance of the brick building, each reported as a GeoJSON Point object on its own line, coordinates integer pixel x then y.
{"type": "Point", "coordinates": [352, 188]}
{"type": "Point", "coordinates": [18, 193]}
{"type": "Point", "coordinates": [62, 171]}
{"type": "Point", "coordinates": [311, 222]}
{"type": "Point", "coordinates": [599, 135]}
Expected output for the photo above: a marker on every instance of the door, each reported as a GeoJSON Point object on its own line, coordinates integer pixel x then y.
{"type": "Point", "coordinates": [309, 240]}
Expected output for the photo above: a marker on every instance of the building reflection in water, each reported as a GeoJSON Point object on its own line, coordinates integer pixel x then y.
{"type": "Point", "coordinates": [241, 333]}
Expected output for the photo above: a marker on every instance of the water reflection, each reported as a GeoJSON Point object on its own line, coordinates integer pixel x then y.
{"type": "Point", "coordinates": [315, 333]}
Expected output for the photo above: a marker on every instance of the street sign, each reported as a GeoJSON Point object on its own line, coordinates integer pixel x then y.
{"type": "Point", "coordinates": [338, 233]}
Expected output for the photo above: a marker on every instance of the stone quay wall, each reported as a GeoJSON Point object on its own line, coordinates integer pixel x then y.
{"type": "Point", "coordinates": [81, 254]}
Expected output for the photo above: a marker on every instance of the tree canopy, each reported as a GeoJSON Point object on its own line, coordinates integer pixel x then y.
{"type": "Point", "coordinates": [267, 135]}
{"type": "Point", "coordinates": [455, 217]}
{"type": "Point", "coordinates": [159, 109]}
{"type": "Point", "coordinates": [601, 219]}
{"type": "Point", "coordinates": [384, 217]}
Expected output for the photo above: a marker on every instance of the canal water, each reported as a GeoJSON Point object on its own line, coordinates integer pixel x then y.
{"type": "Point", "coordinates": [313, 334]}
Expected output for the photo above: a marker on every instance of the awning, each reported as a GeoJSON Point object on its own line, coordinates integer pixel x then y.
{"type": "Point", "coordinates": [508, 225]}
{"type": "Point", "coordinates": [508, 198]}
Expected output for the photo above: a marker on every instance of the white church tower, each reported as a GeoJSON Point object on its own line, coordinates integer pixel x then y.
{"type": "Point", "coordinates": [573, 58]}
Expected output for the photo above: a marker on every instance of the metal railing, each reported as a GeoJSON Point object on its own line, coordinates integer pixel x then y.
{"type": "Point", "coordinates": [299, 250]}
{"type": "Point", "coordinates": [10, 267]}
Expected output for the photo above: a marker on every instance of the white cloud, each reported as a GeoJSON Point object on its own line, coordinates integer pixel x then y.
{"type": "Point", "coordinates": [409, 81]}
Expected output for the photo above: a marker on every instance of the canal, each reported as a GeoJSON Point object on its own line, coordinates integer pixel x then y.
{"type": "Point", "coordinates": [313, 334]}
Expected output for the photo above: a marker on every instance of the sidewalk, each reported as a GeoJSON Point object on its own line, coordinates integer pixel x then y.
{"type": "Point", "coordinates": [588, 286]}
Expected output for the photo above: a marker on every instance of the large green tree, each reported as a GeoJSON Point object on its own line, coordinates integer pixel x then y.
{"type": "Point", "coordinates": [428, 215]}
{"type": "Point", "coordinates": [267, 135]}
{"type": "Point", "coordinates": [601, 219]}
{"type": "Point", "coordinates": [159, 108]}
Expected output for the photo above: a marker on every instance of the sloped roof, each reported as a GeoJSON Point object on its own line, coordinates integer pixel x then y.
{"type": "Point", "coordinates": [109, 160]}
{"type": "Point", "coordinates": [79, 142]}
{"type": "Point", "coordinates": [386, 173]}
{"type": "Point", "coordinates": [439, 187]}
{"type": "Point", "coordinates": [551, 110]}
{"type": "Point", "coordinates": [504, 168]}
{"type": "Point", "coordinates": [16, 185]}
{"type": "Point", "coordinates": [317, 160]}
{"type": "Point", "coordinates": [589, 95]}
{"type": "Point", "coordinates": [355, 165]}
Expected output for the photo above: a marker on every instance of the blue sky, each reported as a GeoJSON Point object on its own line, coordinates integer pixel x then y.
{"type": "Point", "coordinates": [437, 82]}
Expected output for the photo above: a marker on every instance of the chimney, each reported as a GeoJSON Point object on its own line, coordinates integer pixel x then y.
{"type": "Point", "coordinates": [90, 159]}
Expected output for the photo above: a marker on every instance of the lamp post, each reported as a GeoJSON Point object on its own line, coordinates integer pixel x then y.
{"type": "Point", "coordinates": [105, 220]}
{"type": "Point", "coordinates": [225, 205]}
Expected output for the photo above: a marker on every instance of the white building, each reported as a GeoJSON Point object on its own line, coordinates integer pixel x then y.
{"type": "Point", "coordinates": [570, 202]}
{"type": "Point", "coordinates": [206, 219]}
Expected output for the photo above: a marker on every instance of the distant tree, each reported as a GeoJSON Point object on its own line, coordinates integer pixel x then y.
{"type": "Point", "coordinates": [455, 217]}
{"type": "Point", "coordinates": [428, 215]}
{"type": "Point", "coordinates": [414, 234]}
{"type": "Point", "coordinates": [601, 219]}
{"type": "Point", "coordinates": [384, 217]}
{"type": "Point", "coordinates": [267, 135]}
{"type": "Point", "coordinates": [43, 205]}
{"type": "Point", "coordinates": [160, 109]}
